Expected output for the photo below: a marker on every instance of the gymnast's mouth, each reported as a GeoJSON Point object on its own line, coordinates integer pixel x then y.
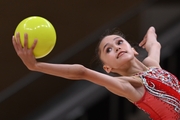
{"type": "Point", "coordinates": [121, 53]}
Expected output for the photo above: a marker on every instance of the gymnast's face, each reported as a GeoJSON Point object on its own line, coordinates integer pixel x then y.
{"type": "Point", "coordinates": [115, 52]}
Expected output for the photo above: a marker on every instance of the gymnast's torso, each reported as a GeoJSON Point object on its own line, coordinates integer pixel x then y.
{"type": "Point", "coordinates": [161, 99]}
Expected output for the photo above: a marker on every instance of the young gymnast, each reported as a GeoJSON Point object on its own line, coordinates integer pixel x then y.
{"type": "Point", "coordinates": [145, 84]}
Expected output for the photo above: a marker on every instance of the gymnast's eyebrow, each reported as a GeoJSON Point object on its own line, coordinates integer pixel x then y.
{"type": "Point", "coordinates": [108, 43]}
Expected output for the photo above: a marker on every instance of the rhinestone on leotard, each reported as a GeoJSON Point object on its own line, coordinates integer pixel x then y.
{"type": "Point", "coordinates": [165, 78]}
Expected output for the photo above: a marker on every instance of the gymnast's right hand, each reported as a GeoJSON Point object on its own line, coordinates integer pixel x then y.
{"type": "Point", "coordinates": [25, 53]}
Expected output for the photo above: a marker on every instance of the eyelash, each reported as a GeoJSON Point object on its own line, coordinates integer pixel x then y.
{"type": "Point", "coordinates": [119, 42]}
{"type": "Point", "coordinates": [108, 50]}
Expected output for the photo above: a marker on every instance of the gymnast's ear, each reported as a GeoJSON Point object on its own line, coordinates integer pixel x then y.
{"type": "Point", "coordinates": [135, 52]}
{"type": "Point", "coordinates": [107, 68]}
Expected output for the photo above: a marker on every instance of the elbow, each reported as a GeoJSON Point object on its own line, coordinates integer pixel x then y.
{"type": "Point", "coordinates": [80, 71]}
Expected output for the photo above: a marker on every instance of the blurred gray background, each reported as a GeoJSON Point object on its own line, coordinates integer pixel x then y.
{"type": "Point", "coordinates": [26, 95]}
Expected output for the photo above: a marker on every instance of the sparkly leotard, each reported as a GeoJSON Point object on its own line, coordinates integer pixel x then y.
{"type": "Point", "coordinates": [161, 99]}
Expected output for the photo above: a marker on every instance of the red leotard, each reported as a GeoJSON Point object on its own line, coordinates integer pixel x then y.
{"type": "Point", "coordinates": [161, 99]}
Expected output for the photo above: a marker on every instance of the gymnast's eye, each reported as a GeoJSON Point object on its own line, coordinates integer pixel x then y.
{"type": "Point", "coordinates": [108, 50]}
{"type": "Point", "coordinates": [119, 42]}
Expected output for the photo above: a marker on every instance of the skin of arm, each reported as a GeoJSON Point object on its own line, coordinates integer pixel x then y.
{"type": "Point", "coordinates": [120, 86]}
{"type": "Point", "coordinates": [153, 48]}
{"type": "Point", "coordinates": [116, 85]}
{"type": "Point", "coordinates": [27, 57]}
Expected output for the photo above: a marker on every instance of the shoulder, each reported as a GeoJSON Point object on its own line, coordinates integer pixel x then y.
{"type": "Point", "coordinates": [121, 86]}
{"type": "Point", "coordinates": [135, 81]}
{"type": "Point", "coordinates": [132, 88]}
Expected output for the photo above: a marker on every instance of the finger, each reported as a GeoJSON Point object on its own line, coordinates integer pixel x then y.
{"type": "Point", "coordinates": [143, 42]}
{"type": "Point", "coordinates": [17, 41]}
{"type": "Point", "coordinates": [143, 46]}
{"type": "Point", "coordinates": [26, 40]}
{"type": "Point", "coordinates": [34, 44]}
{"type": "Point", "coordinates": [152, 28]}
{"type": "Point", "coordinates": [17, 36]}
{"type": "Point", "coordinates": [14, 43]}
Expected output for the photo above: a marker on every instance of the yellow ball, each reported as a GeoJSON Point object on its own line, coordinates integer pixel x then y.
{"type": "Point", "coordinates": [41, 29]}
